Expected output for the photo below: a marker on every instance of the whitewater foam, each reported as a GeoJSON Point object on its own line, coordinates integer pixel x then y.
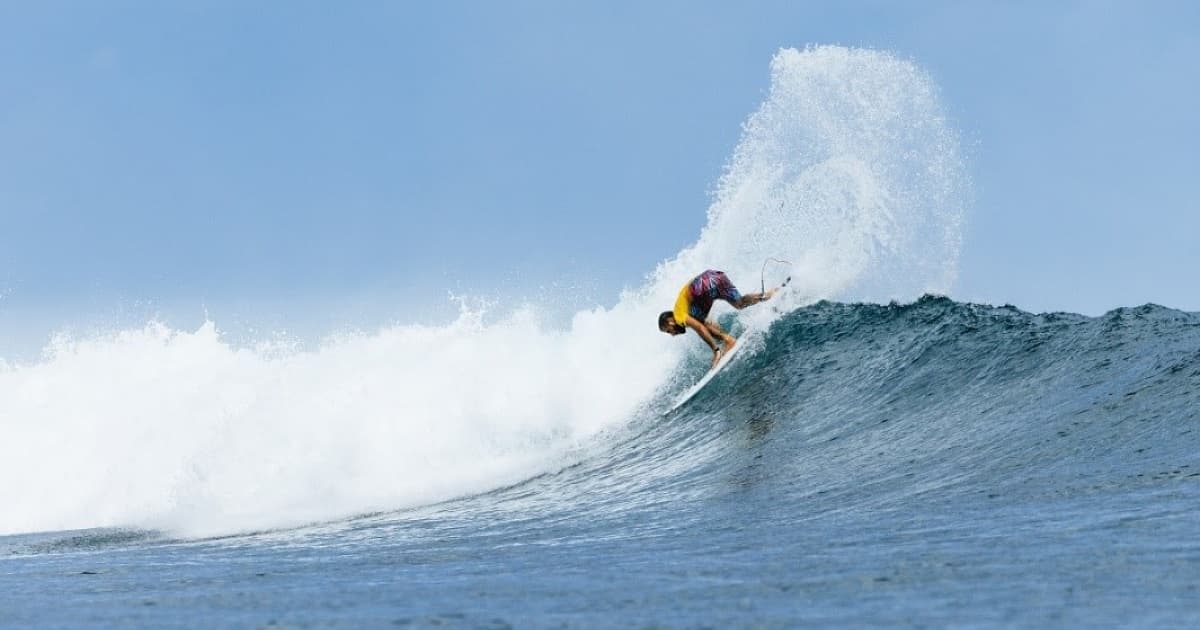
{"type": "Point", "coordinates": [848, 170]}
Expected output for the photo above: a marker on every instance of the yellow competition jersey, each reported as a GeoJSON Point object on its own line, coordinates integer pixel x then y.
{"type": "Point", "coordinates": [682, 303]}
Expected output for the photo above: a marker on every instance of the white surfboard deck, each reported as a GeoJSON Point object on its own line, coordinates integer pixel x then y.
{"type": "Point", "coordinates": [695, 389]}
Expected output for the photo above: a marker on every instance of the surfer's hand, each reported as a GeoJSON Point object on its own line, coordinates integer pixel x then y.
{"type": "Point", "coordinates": [770, 294]}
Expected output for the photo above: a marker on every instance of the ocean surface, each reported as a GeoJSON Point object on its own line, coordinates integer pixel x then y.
{"type": "Point", "coordinates": [862, 462]}
{"type": "Point", "coordinates": [927, 464]}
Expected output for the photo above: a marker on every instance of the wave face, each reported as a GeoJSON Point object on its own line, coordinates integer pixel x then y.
{"type": "Point", "coordinates": [850, 411]}
{"type": "Point", "coordinates": [958, 404]}
{"type": "Point", "coordinates": [848, 170]}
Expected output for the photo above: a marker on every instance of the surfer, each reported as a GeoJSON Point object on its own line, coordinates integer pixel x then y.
{"type": "Point", "coordinates": [696, 299]}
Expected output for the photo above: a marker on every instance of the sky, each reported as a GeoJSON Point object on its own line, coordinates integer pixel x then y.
{"type": "Point", "coordinates": [360, 160]}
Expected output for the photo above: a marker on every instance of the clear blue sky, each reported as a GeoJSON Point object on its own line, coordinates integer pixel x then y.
{"type": "Point", "coordinates": [329, 154]}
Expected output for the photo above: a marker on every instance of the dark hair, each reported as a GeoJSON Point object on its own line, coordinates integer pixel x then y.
{"type": "Point", "coordinates": [664, 317]}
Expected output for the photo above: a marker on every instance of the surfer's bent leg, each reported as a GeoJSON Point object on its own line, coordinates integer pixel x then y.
{"type": "Point", "coordinates": [750, 299]}
{"type": "Point", "coordinates": [723, 289]}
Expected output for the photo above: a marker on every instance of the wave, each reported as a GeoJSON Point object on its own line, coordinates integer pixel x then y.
{"type": "Point", "coordinates": [848, 169]}
{"type": "Point", "coordinates": [847, 408]}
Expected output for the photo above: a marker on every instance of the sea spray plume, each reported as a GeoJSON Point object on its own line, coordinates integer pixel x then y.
{"type": "Point", "coordinates": [850, 170]}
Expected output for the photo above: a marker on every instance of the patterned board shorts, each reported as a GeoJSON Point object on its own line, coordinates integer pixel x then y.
{"type": "Point", "coordinates": [707, 287]}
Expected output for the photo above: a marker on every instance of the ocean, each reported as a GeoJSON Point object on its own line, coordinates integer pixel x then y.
{"type": "Point", "coordinates": [925, 464]}
{"type": "Point", "coordinates": [872, 457]}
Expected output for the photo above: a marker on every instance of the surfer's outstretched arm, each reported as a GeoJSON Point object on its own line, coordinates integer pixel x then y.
{"type": "Point", "coordinates": [710, 332]}
{"type": "Point", "coordinates": [702, 329]}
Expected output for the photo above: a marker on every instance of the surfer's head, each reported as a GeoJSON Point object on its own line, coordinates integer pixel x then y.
{"type": "Point", "coordinates": [667, 324]}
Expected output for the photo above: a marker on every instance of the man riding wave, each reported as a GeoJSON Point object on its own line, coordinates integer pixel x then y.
{"type": "Point", "coordinates": [695, 301]}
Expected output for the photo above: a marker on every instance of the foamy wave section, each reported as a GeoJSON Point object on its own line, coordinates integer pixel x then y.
{"type": "Point", "coordinates": [848, 170]}
{"type": "Point", "coordinates": [179, 431]}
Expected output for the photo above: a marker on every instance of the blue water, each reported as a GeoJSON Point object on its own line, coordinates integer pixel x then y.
{"type": "Point", "coordinates": [928, 464]}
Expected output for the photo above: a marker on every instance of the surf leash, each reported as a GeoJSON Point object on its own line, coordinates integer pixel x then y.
{"type": "Point", "coordinates": [763, 277]}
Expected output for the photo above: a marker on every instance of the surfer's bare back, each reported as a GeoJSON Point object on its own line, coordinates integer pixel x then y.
{"type": "Point", "coordinates": [696, 300]}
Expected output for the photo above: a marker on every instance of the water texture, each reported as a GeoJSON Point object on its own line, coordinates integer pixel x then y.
{"type": "Point", "coordinates": [864, 462]}
{"type": "Point", "coordinates": [926, 463]}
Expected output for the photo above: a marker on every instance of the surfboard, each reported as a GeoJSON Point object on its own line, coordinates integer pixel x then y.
{"type": "Point", "coordinates": [695, 389]}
